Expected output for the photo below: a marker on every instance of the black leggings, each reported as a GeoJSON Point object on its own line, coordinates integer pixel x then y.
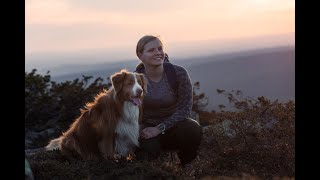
{"type": "Point", "coordinates": [185, 137]}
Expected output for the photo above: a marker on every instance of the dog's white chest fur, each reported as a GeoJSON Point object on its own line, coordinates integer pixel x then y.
{"type": "Point", "coordinates": [127, 130]}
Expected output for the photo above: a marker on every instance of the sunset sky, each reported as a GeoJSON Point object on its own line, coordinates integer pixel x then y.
{"type": "Point", "coordinates": [71, 26]}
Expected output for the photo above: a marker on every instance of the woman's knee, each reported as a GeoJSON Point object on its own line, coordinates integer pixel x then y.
{"type": "Point", "coordinates": [190, 125]}
{"type": "Point", "coordinates": [190, 129]}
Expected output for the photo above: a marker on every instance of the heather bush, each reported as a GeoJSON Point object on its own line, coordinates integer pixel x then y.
{"type": "Point", "coordinates": [257, 139]}
{"type": "Point", "coordinates": [51, 104]}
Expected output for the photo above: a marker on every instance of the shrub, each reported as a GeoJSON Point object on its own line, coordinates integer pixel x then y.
{"type": "Point", "coordinates": [48, 103]}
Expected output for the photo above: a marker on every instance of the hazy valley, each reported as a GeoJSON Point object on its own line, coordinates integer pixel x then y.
{"type": "Point", "coordinates": [263, 72]}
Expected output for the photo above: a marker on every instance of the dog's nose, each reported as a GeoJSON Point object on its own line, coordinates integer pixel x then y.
{"type": "Point", "coordinates": [139, 92]}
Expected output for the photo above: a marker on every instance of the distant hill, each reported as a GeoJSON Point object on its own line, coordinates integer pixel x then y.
{"type": "Point", "coordinates": [266, 72]}
{"type": "Point", "coordinates": [269, 73]}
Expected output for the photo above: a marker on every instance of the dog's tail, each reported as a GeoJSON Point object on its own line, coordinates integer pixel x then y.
{"type": "Point", "coordinates": [54, 144]}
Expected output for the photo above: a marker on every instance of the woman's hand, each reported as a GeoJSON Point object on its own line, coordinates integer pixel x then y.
{"type": "Point", "coordinates": [149, 132]}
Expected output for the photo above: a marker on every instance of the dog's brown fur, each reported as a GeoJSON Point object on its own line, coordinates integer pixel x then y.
{"type": "Point", "coordinates": [92, 134]}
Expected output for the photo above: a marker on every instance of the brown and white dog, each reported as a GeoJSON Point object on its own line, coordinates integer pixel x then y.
{"type": "Point", "coordinates": [109, 126]}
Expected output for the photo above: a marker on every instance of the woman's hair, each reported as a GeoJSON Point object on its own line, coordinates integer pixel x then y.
{"type": "Point", "coordinates": [143, 41]}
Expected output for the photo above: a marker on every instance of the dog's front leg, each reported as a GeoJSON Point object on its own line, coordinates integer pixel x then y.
{"type": "Point", "coordinates": [121, 146]}
{"type": "Point", "coordinates": [106, 145]}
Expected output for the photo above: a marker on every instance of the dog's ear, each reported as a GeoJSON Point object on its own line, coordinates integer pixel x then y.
{"type": "Point", "coordinates": [117, 80]}
{"type": "Point", "coordinates": [144, 82]}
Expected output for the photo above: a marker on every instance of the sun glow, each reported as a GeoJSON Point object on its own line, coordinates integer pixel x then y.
{"type": "Point", "coordinates": [79, 25]}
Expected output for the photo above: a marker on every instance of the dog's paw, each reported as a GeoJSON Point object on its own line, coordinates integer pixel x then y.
{"type": "Point", "coordinates": [117, 156]}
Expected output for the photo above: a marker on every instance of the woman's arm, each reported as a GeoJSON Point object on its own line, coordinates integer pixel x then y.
{"type": "Point", "coordinates": [184, 93]}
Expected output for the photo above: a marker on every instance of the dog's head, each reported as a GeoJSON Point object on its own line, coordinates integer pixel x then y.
{"type": "Point", "coordinates": [129, 86]}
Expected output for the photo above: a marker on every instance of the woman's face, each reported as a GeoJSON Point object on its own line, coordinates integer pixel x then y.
{"type": "Point", "coordinates": [153, 53]}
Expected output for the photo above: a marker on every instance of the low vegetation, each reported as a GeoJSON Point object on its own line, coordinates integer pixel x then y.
{"type": "Point", "coordinates": [254, 141]}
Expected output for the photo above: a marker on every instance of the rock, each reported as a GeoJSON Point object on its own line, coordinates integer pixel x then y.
{"type": "Point", "coordinates": [224, 126]}
{"type": "Point", "coordinates": [32, 137]}
{"type": "Point", "coordinates": [30, 152]}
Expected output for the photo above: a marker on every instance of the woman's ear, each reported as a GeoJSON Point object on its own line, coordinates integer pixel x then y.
{"type": "Point", "coordinates": [139, 55]}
